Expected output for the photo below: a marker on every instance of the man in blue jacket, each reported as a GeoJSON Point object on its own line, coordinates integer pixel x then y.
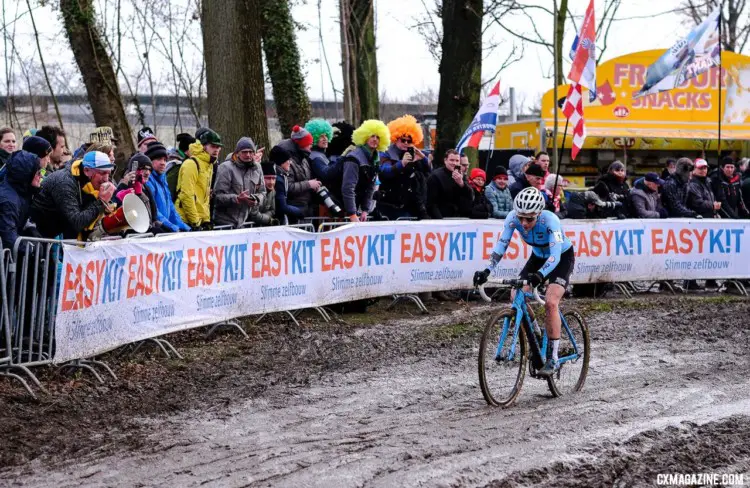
{"type": "Point", "coordinates": [22, 181]}
{"type": "Point", "coordinates": [166, 213]}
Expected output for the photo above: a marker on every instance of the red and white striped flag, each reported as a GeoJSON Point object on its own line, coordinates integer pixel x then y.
{"type": "Point", "coordinates": [573, 110]}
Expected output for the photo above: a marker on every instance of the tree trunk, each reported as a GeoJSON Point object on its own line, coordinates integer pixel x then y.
{"type": "Point", "coordinates": [560, 20]}
{"type": "Point", "coordinates": [358, 50]}
{"type": "Point", "coordinates": [460, 71]}
{"type": "Point", "coordinates": [284, 67]}
{"type": "Point", "coordinates": [98, 75]}
{"type": "Point", "coordinates": [234, 70]}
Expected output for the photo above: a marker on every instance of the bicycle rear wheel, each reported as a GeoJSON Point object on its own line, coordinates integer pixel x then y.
{"type": "Point", "coordinates": [574, 365]}
{"type": "Point", "coordinates": [502, 365]}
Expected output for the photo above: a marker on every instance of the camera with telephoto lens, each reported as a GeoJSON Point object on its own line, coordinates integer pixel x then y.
{"type": "Point", "coordinates": [328, 200]}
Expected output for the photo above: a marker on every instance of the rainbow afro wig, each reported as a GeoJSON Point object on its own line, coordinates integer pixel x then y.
{"type": "Point", "coordinates": [372, 128]}
{"type": "Point", "coordinates": [319, 127]}
{"type": "Point", "coordinates": [406, 126]}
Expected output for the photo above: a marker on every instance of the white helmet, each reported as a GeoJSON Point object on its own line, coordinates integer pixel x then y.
{"type": "Point", "coordinates": [529, 201]}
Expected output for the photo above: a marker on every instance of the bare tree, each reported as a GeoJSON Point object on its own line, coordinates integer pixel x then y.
{"type": "Point", "coordinates": [44, 66]}
{"type": "Point", "coordinates": [512, 15]}
{"type": "Point", "coordinates": [97, 72]}
{"type": "Point", "coordinates": [735, 18]}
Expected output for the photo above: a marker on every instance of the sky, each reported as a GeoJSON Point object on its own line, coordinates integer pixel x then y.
{"type": "Point", "coordinates": [405, 65]}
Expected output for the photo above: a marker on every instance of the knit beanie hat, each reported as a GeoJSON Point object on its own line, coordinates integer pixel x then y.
{"type": "Point", "coordinates": [244, 144]}
{"type": "Point", "coordinates": [279, 155]}
{"type": "Point", "coordinates": [145, 134]}
{"type": "Point", "coordinates": [37, 145]}
{"type": "Point", "coordinates": [535, 170]}
{"type": "Point", "coordinates": [500, 170]}
{"type": "Point", "coordinates": [183, 141]}
{"type": "Point", "coordinates": [616, 166]}
{"type": "Point", "coordinates": [301, 137]}
{"type": "Point", "coordinates": [155, 150]}
{"type": "Point", "coordinates": [140, 161]}
{"type": "Point", "coordinates": [477, 173]}
{"type": "Point", "coordinates": [726, 160]}
{"type": "Point", "coordinates": [268, 169]}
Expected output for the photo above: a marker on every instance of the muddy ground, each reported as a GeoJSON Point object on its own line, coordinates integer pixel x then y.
{"type": "Point", "coordinates": [392, 399]}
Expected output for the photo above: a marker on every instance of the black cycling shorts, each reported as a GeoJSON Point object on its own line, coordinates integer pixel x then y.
{"type": "Point", "coordinates": [560, 275]}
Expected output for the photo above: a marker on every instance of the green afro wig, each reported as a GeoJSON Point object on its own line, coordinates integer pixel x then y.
{"type": "Point", "coordinates": [372, 128]}
{"type": "Point", "coordinates": [319, 127]}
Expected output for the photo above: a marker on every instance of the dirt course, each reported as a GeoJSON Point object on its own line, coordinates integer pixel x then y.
{"type": "Point", "coordinates": [392, 399]}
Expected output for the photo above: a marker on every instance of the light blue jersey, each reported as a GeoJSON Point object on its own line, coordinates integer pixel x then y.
{"type": "Point", "coordinates": [546, 239]}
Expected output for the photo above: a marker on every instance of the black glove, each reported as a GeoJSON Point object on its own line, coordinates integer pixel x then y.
{"type": "Point", "coordinates": [663, 213]}
{"type": "Point", "coordinates": [535, 279]}
{"type": "Point", "coordinates": [480, 277]}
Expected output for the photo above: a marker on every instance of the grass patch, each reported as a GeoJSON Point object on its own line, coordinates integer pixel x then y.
{"type": "Point", "coordinates": [455, 331]}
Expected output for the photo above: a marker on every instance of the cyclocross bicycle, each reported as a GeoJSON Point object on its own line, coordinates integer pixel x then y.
{"type": "Point", "coordinates": [509, 336]}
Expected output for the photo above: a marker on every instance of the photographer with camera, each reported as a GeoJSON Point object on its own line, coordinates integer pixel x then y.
{"type": "Point", "coordinates": [239, 188]}
{"type": "Point", "coordinates": [403, 172]}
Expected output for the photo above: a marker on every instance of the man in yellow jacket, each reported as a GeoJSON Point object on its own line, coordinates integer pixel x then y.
{"type": "Point", "coordinates": [194, 181]}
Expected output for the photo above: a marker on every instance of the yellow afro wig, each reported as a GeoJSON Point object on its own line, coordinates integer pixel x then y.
{"type": "Point", "coordinates": [406, 126]}
{"type": "Point", "coordinates": [372, 128]}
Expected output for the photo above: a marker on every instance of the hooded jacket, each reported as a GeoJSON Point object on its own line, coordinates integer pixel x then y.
{"type": "Point", "coordinates": [700, 198]}
{"type": "Point", "coordinates": [515, 167]}
{"type": "Point", "coordinates": [15, 195]}
{"type": "Point", "coordinates": [299, 193]}
{"type": "Point", "coordinates": [501, 201]}
{"type": "Point", "coordinates": [728, 192]}
{"type": "Point", "coordinates": [194, 187]}
{"type": "Point", "coordinates": [675, 190]}
{"type": "Point", "coordinates": [610, 188]}
{"type": "Point", "coordinates": [65, 206]}
{"type": "Point", "coordinates": [233, 178]}
{"type": "Point", "coordinates": [166, 213]}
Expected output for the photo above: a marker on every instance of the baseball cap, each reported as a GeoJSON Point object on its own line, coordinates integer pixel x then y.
{"type": "Point", "coordinates": [209, 136]}
{"type": "Point", "coordinates": [701, 163]}
{"type": "Point", "coordinates": [654, 178]}
{"type": "Point", "coordinates": [97, 160]}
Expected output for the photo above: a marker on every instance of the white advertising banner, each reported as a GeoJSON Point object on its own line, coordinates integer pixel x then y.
{"type": "Point", "coordinates": [117, 292]}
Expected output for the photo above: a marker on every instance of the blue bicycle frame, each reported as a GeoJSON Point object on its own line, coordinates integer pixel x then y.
{"type": "Point", "coordinates": [539, 352]}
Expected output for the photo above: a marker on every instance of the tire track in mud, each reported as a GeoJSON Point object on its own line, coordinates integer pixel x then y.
{"type": "Point", "coordinates": [421, 420]}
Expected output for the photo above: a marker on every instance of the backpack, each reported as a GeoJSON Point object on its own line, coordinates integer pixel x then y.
{"type": "Point", "coordinates": [173, 175]}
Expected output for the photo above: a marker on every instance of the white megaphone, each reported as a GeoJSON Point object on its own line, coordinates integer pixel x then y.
{"type": "Point", "coordinates": [133, 214]}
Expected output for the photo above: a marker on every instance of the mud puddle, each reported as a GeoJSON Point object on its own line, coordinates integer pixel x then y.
{"type": "Point", "coordinates": [398, 404]}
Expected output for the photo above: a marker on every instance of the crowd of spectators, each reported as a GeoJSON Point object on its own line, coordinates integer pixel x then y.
{"type": "Point", "coordinates": [374, 171]}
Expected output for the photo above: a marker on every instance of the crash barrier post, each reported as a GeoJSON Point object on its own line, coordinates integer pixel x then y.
{"type": "Point", "coordinates": [33, 299]}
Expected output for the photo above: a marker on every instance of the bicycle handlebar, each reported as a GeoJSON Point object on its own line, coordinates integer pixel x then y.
{"type": "Point", "coordinates": [513, 283]}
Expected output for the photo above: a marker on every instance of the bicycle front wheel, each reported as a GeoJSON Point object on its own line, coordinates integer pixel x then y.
{"type": "Point", "coordinates": [503, 354]}
{"type": "Point", "coordinates": [573, 352]}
